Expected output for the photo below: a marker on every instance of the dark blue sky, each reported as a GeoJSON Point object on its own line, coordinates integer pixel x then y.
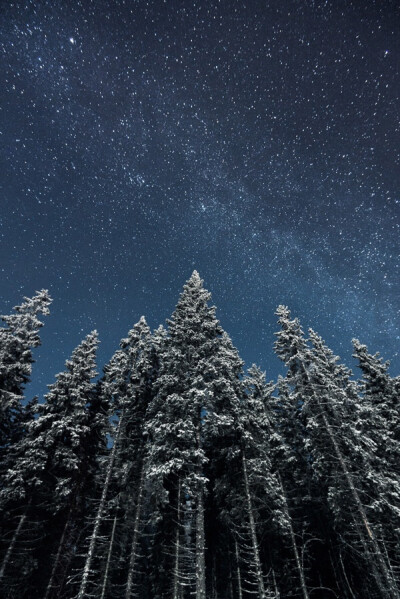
{"type": "Point", "coordinates": [257, 142]}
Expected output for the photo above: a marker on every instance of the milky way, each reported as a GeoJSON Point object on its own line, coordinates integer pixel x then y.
{"type": "Point", "coordinates": [255, 141]}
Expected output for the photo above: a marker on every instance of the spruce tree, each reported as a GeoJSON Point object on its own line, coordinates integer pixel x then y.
{"type": "Point", "coordinates": [196, 392]}
{"type": "Point", "coordinates": [53, 471]}
{"type": "Point", "coordinates": [380, 429]}
{"type": "Point", "coordinates": [282, 437]}
{"type": "Point", "coordinates": [291, 456]}
{"type": "Point", "coordinates": [324, 408]}
{"type": "Point", "coordinates": [262, 492]}
{"type": "Point", "coordinates": [17, 339]}
{"type": "Point", "coordinates": [142, 363]}
{"type": "Point", "coordinates": [175, 430]}
{"type": "Point", "coordinates": [113, 548]}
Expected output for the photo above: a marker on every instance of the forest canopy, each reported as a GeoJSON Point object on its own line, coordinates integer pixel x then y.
{"type": "Point", "coordinates": [178, 474]}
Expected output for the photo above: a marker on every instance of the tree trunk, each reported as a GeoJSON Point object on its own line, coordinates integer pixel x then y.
{"type": "Point", "coordinates": [175, 594]}
{"type": "Point", "coordinates": [136, 532]}
{"type": "Point", "coordinates": [367, 552]}
{"type": "Point", "coordinates": [238, 574]}
{"type": "Point", "coordinates": [200, 546]}
{"type": "Point", "coordinates": [60, 551]}
{"type": "Point", "coordinates": [99, 515]}
{"type": "Point", "coordinates": [391, 586]}
{"type": "Point", "coordinates": [368, 536]}
{"type": "Point", "coordinates": [276, 590]}
{"type": "Point", "coordinates": [214, 579]}
{"type": "Point", "coordinates": [109, 553]}
{"type": "Point", "coordinates": [254, 542]}
{"type": "Point", "coordinates": [200, 538]}
{"type": "Point", "coordinates": [293, 540]}
{"type": "Point", "coordinates": [12, 543]}
{"type": "Point", "coordinates": [230, 578]}
{"type": "Point", "coordinates": [345, 576]}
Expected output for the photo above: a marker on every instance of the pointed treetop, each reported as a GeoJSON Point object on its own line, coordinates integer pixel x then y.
{"type": "Point", "coordinates": [84, 353]}
{"type": "Point", "coordinates": [375, 371]}
{"type": "Point", "coordinates": [194, 281]}
{"type": "Point", "coordinates": [283, 312]}
{"type": "Point", "coordinates": [196, 278]}
{"type": "Point", "coordinates": [193, 300]}
{"type": "Point", "coordinates": [90, 339]}
{"type": "Point", "coordinates": [290, 342]}
{"type": "Point", "coordinates": [139, 330]}
{"type": "Point", "coordinates": [37, 303]}
{"type": "Point", "coordinates": [17, 339]}
{"type": "Point", "coordinates": [160, 331]}
{"type": "Point", "coordinates": [25, 315]}
{"type": "Point", "coordinates": [365, 358]}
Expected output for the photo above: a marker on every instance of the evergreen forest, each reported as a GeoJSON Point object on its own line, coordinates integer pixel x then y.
{"type": "Point", "coordinates": [176, 474]}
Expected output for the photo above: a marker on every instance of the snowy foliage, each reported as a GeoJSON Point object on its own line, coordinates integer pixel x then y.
{"type": "Point", "coordinates": [177, 475]}
{"type": "Point", "coordinates": [17, 339]}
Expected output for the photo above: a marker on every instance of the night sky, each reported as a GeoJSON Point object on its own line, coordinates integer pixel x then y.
{"type": "Point", "coordinates": [257, 142]}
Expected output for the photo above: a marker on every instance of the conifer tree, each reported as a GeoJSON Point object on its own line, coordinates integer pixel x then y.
{"type": "Point", "coordinates": [380, 430]}
{"type": "Point", "coordinates": [191, 410]}
{"type": "Point", "coordinates": [17, 339]}
{"type": "Point", "coordinates": [281, 432]}
{"type": "Point", "coordinates": [127, 385]}
{"type": "Point", "coordinates": [332, 418]}
{"type": "Point", "coordinates": [75, 436]}
{"type": "Point", "coordinates": [261, 486]}
{"type": "Point", "coordinates": [322, 407]}
{"type": "Point", "coordinates": [175, 427]}
{"type": "Point", "coordinates": [100, 546]}
{"type": "Point", "coordinates": [291, 456]}
{"type": "Point", "coordinates": [53, 468]}
{"type": "Point", "coordinates": [223, 450]}
{"type": "Point", "coordinates": [141, 360]}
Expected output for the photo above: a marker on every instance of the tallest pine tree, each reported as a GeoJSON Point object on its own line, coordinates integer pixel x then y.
{"type": "Point", "coordinates": [175, 430]}
{"type": "Point", "coordinates": [193, 407]}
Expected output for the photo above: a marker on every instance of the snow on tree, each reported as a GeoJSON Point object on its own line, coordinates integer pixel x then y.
{"type": "Point", "coordinates": [197, 390]}
{"type": "Point", "coordinates": [380, 424]}
{"type": "Point", "coordinates": [177, 476]}
{"type": "Point", "coordinates": [323, 404]}
{"type": "Point", "coordinates": [175, 428]}
{"type": "Point", "coordinates": [17, 339]}
{"type": "Point", "coordinates": [279, 431]}
{"type": "Point", "coordinates": [54, 465]}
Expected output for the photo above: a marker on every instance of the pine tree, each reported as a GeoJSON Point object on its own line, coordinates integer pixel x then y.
{"type": "Point", "coordinates": [280, 429]}
{"type": "Point", "coordinates": [261, 488]}
{"type": "Point", "coordinates": [291, 456]}
{"type": "Point", "coordinates": [17, 339]}
{"type": "Point", "coordinates": [323, 406]}
{"type": "Point", "coordinates": [54, 465]}
{"type": "Point", "coordinates": [175, 428]}
{"type": "Point", "coordinates": [332, 418]}
{"type": "Point", "coordinates": [192, 408]}
{"type": "Point", "coordinates": [222, 444]}
{"type": "Point", "coordinates": [380, 429]}
{"type": "Point", "coordinates": [142, 358]}
{"type": "Point", "coordinates": [127, 385]}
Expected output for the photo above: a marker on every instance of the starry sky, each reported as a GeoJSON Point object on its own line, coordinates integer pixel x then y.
{"type": "Point", "coordinates": [256, 141]}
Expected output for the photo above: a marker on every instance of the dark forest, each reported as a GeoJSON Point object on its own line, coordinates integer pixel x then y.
{"type": "Point", "coordinates": [175, 473]}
